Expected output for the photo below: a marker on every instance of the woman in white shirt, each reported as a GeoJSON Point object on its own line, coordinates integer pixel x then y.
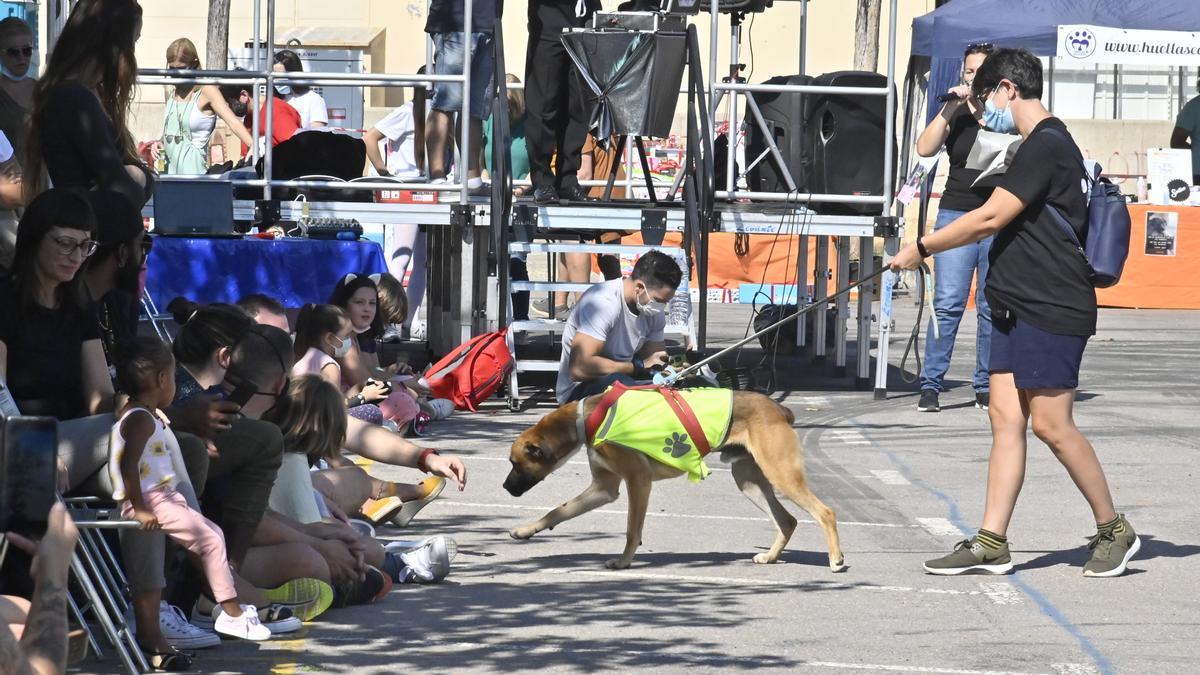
{"type": "Point", "coordinates": [307, 102]}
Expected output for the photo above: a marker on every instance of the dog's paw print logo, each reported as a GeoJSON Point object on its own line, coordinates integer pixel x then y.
{"type": "Point", "coordinates": [1080, 43]}
{"type": "Point", "coordinates": [677, 445]}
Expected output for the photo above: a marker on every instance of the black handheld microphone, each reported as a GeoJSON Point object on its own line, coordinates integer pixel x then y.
{"type": "Point", "coordinates": [944, 98]}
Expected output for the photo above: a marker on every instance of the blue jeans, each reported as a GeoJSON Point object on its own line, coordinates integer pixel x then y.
{"type": "Point", "coordinates": [450, 54]}
{"type": "Point", "coordinates": [953, 270]}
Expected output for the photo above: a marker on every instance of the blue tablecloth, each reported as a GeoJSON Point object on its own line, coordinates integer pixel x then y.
{"type": "Point", "coordinates": [293, 271]}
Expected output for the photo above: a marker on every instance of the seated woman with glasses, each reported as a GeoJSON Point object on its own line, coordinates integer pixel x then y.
{"type": "Point", "coordinates": [50, 353]}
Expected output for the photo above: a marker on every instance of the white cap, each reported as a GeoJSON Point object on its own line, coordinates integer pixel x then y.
{"type": "Point", "coordinates": [6, 148]}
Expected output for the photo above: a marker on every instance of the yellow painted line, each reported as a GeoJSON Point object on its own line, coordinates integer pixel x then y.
{"type": "Point", "coordinates": [296, 645]}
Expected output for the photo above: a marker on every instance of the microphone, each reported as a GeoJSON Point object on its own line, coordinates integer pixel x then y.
{"type": "Point", "coordinates": [944, 98]}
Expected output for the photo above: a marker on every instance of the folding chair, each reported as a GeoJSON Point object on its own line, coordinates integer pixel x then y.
{"type": "Point", "coordinates": [102, 581]}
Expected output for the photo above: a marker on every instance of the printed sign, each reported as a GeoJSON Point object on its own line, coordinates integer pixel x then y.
{"type": "Point", "coordinates": [1162, 227]}
{"type": "Point", "coordinates": [1169, 172]}
{"type": "Point", "coordinates": [1086, 44]}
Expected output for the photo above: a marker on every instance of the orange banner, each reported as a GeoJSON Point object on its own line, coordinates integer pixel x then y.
{"type": "Point", "coordinates": [1164, 255]}
{"type": "Point", "coordinates": [770, 260]}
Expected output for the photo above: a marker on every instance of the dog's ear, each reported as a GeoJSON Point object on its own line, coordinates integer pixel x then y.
{"type": "Point", "coordinates": [535, 452]}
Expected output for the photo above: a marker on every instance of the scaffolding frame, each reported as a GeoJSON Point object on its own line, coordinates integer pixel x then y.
{"type": "Point", "coordinates": [469, 310]}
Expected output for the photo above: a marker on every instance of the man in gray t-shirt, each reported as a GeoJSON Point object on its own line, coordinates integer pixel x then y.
{"type": "Point", "coordinates": [615, 332]}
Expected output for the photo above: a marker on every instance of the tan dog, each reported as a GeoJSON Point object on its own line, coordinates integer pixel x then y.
{"type": "Point", "coordinates": [764, 451]}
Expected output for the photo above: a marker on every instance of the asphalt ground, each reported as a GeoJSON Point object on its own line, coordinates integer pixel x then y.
{"type": "Point", "coordinates": [905, 486]}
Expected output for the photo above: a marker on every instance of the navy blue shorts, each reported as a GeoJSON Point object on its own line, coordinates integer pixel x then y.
{"type": "Point", "coordinates": [1038, 359]}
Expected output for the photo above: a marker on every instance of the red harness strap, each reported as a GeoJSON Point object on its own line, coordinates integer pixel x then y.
{"type": "Point", "coordinates": [683, 411]}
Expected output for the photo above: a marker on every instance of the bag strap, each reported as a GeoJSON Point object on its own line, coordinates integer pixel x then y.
{"type": "Point", "coordinates": [1057, 214]}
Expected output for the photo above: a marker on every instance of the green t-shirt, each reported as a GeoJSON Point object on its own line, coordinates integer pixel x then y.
{"type": "Point", "coordinates": [642, 420]}
{"type": "Point", "coordinates": [1189, 119]}
{"type": "Point", "coordinates": [520, 154]}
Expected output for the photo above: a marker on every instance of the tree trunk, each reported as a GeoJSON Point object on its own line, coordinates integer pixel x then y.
{"type": "Point", "coordinates": [866, 35]}
{"type": "Point", "coordinates": [218, 35]}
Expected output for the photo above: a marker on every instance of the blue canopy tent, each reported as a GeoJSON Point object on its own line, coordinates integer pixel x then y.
{"type": "Point", "coordinates": [940, 37]}
{"type": "Point", "coordinates": [944, 33]}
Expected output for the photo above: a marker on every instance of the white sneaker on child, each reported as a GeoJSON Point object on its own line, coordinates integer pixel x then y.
{"type": "Point", "coordinates": [429, 559]}
{"type": "Point", "coordinates": [246, 626]}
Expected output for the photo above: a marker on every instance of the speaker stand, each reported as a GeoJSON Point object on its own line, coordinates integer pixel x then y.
{"type": "Point", "coordinates": [616, 165]}
{"type": "Point", "coordinates": [735, 69]}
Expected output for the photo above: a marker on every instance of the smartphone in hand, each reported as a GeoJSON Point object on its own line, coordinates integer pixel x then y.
{"type": "Point", "coordinates": [28, 464]}
{"type": "Point", "coordinates": [243, 391]}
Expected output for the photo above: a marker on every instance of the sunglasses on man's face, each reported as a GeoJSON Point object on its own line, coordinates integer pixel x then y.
{"type": "Point", "coordinates": [14, 52]}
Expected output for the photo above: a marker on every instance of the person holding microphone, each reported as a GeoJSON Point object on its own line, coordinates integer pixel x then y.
{"type": "Point", "coordinates": [956, 128]}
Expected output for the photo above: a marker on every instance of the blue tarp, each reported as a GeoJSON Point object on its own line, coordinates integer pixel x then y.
{"type": "Point", "coordinates": [944, 33]}
{"type": "Point", "coordinates": [1033, 24]}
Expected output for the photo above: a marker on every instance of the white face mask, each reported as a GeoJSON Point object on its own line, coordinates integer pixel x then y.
{"type": "Point", "coordinates": [343, 348]}
{"type": "Point", "coordinates": [17, 78]}
{"type": "Point", "coordinates": [651, 307]}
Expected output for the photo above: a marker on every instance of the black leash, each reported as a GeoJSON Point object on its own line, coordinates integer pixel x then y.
{"type": "Point", "coordinates": [925, 293]}
{"type": "Point", "coordinates": [670, 376]}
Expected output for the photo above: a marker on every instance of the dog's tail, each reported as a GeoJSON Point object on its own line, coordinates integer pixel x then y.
{"type": "Point", "coordinates": [787, 413]}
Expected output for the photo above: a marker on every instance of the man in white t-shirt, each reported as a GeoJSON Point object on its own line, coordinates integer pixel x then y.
{"type": "Point", "coordinates": [615, 332]}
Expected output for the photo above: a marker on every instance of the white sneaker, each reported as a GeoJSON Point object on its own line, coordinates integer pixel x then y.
{"type": "Point", "coordinates": [429, 560]}
{"type": "Point", "coordinates": [246, 626]}
{"type": "Point", "coordinates": [175, 627]}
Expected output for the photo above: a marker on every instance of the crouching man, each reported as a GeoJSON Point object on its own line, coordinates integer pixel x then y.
{"type": "Point", "coordinates": [615, 332]}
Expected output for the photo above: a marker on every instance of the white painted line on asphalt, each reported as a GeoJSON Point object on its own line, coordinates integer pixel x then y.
{"type": "Point", "coordinates": [1002, 593]}
{"type": "Point", "coordinates": [939, 527]}
{"type": "Point", "coordinates": [906, 668]}
{"type": "Point", "coordinates": [862, 442]}
{"type": "Point", "coordinates": [890, 477]}
{"type": "Point", "coordinates": [614, 512]}
{"type": "Point", "coordinates": [735, 581]}
{"type": "Point", "coordinates": [1074, 669]}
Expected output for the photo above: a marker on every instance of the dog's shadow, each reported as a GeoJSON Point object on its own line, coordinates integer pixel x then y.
{"type": "Point", "coordinates": [671, 562]}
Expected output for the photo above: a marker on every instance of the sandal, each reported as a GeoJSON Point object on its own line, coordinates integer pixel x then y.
{"type": "Point", "coordinates": [173, 661]}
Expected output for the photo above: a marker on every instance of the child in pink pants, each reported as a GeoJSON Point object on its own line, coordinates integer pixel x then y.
{"type": "Point", "coordinates": [144, 479]}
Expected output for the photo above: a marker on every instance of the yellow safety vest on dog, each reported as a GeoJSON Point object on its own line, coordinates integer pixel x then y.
{"type": "Point", "coordinates": [652, 421]}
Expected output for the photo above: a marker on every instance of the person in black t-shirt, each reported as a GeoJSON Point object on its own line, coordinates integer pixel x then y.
{"type": "Point", "coordinates": [111, 276]}
{"type": "Point", "coordinates": [955, 128]}
{"type": "Point", "coordinates": [1043, 311]}
{"type": "Point", "coordinates": [50, 352]}
{"type": "Point", "coordinates": [79, 135]}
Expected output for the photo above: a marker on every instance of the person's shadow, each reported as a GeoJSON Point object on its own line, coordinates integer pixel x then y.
{"type": "Point", "coordinates": [1152, 547]}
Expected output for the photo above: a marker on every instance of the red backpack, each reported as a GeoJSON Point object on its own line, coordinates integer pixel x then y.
{"type": "Point", "coordinates": [471, 373]}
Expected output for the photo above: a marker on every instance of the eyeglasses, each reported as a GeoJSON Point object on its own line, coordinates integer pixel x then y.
{"type": "Point", "coordinates": [68, 246]}
{"type": "Point", "coordinates": [14, 52]}
{"type": "Point", "coordinates": [980, 48]}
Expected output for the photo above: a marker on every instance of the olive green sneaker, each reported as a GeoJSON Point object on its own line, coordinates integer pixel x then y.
{"type": "Point", "coordinates": [971, 556]}
{"type": "Point", "coordinates": [1112, 550]}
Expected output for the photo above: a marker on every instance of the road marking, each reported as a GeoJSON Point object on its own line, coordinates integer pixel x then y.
{"type": "Point", "coordinates": [1074, 669]}
{"type": "Point", "coordinates": [890, 477]}
{"type": "Point", "coordinates": [735, 581]}
{"type": "Point", "coordinates": [614, 512]}
{"type": "Point", "coordinates": [939, 527]}
{"type": "Point", "coordinates": [1002, 593]}
{"type": "Point", "coordinates": [906, 668]}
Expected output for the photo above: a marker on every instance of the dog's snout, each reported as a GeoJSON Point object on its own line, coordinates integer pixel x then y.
{"type": "Point", "coordinates": [517, 484]}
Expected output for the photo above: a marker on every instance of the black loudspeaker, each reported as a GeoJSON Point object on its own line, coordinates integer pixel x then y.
{"type": "Point", "coordinates": [831, 143]}
{"type": "Point", "coordinates": [784, 115]}
{"type": "Point", "coordinates": [844, 149]}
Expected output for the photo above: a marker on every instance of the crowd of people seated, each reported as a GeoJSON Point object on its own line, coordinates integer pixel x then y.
{"type": "Point", "coordinates": [230, 447]}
